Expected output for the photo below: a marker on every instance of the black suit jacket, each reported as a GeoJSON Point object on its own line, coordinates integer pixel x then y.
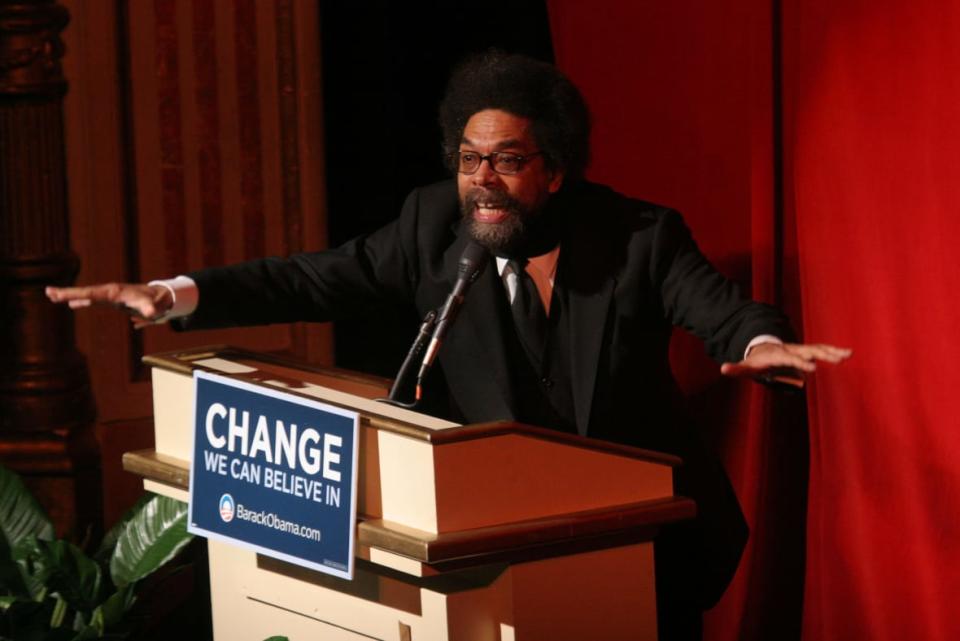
{"type": "Point", "coordinates": [630, 271]}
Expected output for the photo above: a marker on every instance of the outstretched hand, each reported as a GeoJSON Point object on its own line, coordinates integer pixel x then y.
{"type": "Point", "coordinates": [145, 303]}
{"type": "Point", "coordinates": [786, 362]}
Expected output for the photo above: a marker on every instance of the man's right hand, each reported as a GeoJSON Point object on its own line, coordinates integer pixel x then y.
{"type": "Point", "coordinates": [145, 303]}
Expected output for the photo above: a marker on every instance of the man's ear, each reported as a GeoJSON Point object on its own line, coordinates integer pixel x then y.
{"type": "Point", "coordinates": [556, 181]}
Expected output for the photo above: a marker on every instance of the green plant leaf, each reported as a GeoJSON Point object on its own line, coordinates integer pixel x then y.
{"type": "Point", "coordinates": [32, 567]}
{"type": "Point", "coordinates": [109, 542]}
{"type": "Point", "coordinates": [60, 569]}
{"type": "Point", "coordinates": [88, 632]}
{"type": "Point", "coordinates": [20, 514]}
{"type": "Point", "coordinates": [71, 574]}
{"type": "Point", "coordinates": [116, 606]}
{"type": "Point", "coordinates": [60, 608]}
{"type": "Point", "coordinates": [20, 517]}
{"type": "Point", "coordinates": [106, 617]}
{"type": "Point", "coordinates": [151, 538]}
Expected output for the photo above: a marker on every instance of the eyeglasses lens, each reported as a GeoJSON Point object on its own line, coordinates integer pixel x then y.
{"type": "Point", "coordinates": [500, 162]}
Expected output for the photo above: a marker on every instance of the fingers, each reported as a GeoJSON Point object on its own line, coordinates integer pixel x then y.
{"type": "Point", "coordinates": [768, 355]}
{"type": "Point", "coordinates": [147, 302]}
{"type": "Point", "coordinates": [734, 369]}
{"type": "Point", "coordinates": [771, 359]}
{"type": "Point", "coordinates": [106, 293]}
{"type": "Point", "coordinates": [765, 357]}
{"type": "Point", "coordinates": [820, 352]}
{"type": "Point", "coordinates": [801, 360]}
{"type": "Point", "coordinates": [789, 377]}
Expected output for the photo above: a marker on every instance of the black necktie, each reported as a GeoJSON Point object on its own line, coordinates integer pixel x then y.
{"type": "Point", "coordinates": [528, 314]}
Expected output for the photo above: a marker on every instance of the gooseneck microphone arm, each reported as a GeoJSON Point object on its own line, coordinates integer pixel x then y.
{"type": "Point", "coordinates": [472, 262]}
{"type": "Point", "coordinates": [412, 358]}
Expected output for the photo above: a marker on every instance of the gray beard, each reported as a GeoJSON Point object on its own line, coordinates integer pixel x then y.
{"type": "Point", "coordinates": [499, 238]}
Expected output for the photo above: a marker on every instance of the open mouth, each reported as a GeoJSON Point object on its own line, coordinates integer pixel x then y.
{"type": "Point", "coordinates": [490, 208]}
{"type": "Point", "coordinates": [490, 215]}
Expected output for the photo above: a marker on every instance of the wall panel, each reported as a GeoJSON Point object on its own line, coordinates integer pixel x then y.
{"type": "Point", "coordinates": [194, 139]}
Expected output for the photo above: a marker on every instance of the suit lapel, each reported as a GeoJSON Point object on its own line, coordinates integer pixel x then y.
{"type": "Point", "coordinates": [588, 318]}
{"type": "Point", "coordinates": [587, 274]}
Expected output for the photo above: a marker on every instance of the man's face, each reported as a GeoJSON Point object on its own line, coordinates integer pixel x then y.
{"type": "Point", "coordinates": [495, 206]}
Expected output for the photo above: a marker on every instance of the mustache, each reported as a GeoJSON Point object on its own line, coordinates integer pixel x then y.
{"type": "Point", "coordinates": [491, 198]}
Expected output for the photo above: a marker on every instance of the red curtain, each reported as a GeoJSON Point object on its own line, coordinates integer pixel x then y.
{"type": "Point", "coordinates": [813, 148]}
{"type": "Point", "coordinates": [873, 142]}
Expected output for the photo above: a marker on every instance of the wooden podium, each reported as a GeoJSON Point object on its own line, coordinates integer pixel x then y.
{"type": "Point", "coordinates": [496, 531]}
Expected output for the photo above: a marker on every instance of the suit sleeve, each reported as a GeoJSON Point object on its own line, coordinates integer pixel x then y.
{"type": "Point", "coordinates": [701, 300]}
{"type": "Point", "coordinates": [367, 274]}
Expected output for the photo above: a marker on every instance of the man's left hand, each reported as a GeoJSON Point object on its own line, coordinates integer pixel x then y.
{"type": "Point", "coordinates": [776, 360]}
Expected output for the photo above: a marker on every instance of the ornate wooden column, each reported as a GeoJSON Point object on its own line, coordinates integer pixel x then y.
{"type": "Point", "coordinates": [46, 406]}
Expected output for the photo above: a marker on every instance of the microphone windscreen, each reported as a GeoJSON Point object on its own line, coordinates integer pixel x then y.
{"type": "Point", "coordinates": [472, 261]}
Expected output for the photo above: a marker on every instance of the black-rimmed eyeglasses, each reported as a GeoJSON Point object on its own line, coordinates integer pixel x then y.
{"type": "Point", "coordinates": [502, 162]}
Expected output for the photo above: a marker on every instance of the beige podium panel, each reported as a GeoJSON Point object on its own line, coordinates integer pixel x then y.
{"type": "Point", "coordinates": [497, 531]}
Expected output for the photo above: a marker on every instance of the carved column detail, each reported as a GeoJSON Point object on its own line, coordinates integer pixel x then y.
{"type": "Point", "coordinates": [46, 407]}
{"type": "Point", "coordinates": [31, 181]}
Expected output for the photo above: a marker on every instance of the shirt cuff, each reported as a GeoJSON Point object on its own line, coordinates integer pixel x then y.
{"type": "Point", "coordinates": [760, 340]}
{"type": "Point", "coordinates": [185, 296]}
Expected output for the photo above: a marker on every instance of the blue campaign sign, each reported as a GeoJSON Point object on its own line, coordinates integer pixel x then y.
{"type": "Point", "coordinates": [274, 472]}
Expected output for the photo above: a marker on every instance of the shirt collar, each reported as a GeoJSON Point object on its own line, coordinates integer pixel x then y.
{"type": "Point", "coordinates": [546, 264]}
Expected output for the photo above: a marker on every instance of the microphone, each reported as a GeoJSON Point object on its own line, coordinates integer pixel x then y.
{"type": "Point", "coordinates": [418, 347]}
{"type": "Point", "coordinates": [472, 261]}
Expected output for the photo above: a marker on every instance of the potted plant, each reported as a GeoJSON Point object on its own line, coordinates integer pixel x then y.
{"type": "Point", "coordinates": [53, 590]}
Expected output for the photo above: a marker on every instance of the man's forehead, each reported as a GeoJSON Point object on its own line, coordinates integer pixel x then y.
{"type": "Point", "coordinates": [505, 143]}
{"type": "Point", "coordinates": [497, 128]}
